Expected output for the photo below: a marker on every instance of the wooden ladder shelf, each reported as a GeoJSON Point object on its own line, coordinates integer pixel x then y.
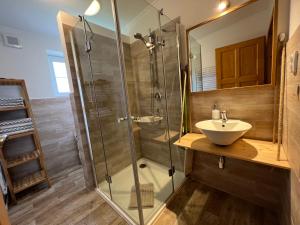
{"type": "Point", "coordinates": [17, 185]}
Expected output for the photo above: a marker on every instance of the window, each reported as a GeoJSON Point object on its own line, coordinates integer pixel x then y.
{"type": "Point", "coordinates": [59, 73]}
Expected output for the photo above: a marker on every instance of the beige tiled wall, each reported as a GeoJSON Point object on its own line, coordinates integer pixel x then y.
{"type": "Point", "coordinates": [151, 147]}
{"type": "Point", "coordinates": [55, 124]}
{"type": "Point", "coordinates": [251, 104]}
{"type": "Point", "coordinates": [291, 138]}
{"type": "Point", "coordinates": [107, 135]}
{"type": "Point", "coordinates": [259, 184]}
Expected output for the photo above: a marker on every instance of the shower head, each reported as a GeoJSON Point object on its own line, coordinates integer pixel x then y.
{"type": "Point", "coordinates": [148, 44]}
{"type": "Point", "coordinates": [166, 30]}
{"type": "Point", "coordinates": [139, 36]}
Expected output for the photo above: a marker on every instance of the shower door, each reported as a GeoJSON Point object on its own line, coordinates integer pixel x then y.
{"type": "Point", "coordinates": [153, 79]}
{"type": "Point", "coordinates": [107, 118]}
{"type": "Point", "coordinates": [129, 85]}
{"type": "Point", "coordinates": [170, 56]}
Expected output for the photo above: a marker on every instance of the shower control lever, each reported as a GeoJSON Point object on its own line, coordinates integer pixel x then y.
{"type": "Point", "coordinates": [158, 96]}
{"type": "Point", "coordinates": [122, 119]}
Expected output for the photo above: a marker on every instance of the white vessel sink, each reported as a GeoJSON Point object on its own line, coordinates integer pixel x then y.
{"type": "Point", "coordinates": [223, 135]}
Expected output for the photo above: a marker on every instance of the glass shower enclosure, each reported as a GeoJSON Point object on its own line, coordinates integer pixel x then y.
{"type": "Point", "coordinates": [128, 72]}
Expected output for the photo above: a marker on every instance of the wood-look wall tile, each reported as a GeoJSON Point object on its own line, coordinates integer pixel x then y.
{"type": "Point", "coordinates": [291, 129]}
{"type": "Point", "coordinates": [251, 104]}
{"type": "Point", "coordinates": [256, 183]}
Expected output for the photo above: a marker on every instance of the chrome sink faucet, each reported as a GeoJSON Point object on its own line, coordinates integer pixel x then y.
{"type": "Point", "coordinates": [224, 117]}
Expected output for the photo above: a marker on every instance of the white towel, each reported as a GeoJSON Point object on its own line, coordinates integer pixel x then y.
{"type": "Point", "coordinates": [16, 126]}
{"type": "Point", "coordinates": [3, 184]}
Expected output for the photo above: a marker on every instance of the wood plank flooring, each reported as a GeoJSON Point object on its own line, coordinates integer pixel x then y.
{"type": "Point", "coordinates": [67, 202]}
{"type": "Point", "coordinates": [197, 204]}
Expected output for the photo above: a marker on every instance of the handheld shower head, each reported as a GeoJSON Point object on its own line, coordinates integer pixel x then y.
{"type": "Point", "coordinates": [148, 44]}
{"type": "Point", "coordinates": [138, 36]}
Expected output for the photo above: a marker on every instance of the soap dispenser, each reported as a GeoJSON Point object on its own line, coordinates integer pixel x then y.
{"type": "Point", "coordinates": [215, 114]}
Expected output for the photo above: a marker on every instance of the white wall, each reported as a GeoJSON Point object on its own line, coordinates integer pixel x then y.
{"type": "Point", "coordinates": [29, 63]}
{"type": "Point", "coordinates": [234, 33]}
{"type": "Point", "coordinates": [191, 12]}
{"type": "Point", "coordinates": [294, 16]}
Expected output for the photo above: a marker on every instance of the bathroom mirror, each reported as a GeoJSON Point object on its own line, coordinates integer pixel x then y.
{"type": "Point", "coordinates": [234, 49]}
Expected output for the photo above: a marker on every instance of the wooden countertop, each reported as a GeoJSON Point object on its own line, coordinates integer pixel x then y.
{"type": "Point", "coordinates": [262, 152]}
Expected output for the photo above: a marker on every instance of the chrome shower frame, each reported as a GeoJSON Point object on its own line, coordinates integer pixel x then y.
{"type": "Point", "coordinates": [129, 121]}
{"type": "Point", "coordinates": [127, 114]}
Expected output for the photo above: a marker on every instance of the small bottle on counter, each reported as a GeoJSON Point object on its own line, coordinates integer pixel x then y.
{"type": "Point", "coordinates": [215, 114]}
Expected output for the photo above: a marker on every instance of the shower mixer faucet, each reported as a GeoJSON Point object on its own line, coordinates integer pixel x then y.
{"type": "Point", "coordinates": [158, 96]}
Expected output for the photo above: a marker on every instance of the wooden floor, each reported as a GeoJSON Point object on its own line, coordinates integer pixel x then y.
{"type": "Point", "coordinates": [197, 204]}
{"type": "Point", "coordinates": [67, 202]}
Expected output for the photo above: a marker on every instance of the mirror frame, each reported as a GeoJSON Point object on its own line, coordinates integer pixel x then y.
{"type": "Point", "coordinates": [220, 15]}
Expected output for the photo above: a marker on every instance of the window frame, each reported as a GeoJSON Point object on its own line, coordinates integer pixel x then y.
{"type": "Point", "coordinates": [54, 56]}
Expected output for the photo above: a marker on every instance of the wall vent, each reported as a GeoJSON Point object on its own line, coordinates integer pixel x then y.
{"type": "Point", "coordinates": [11, 41]}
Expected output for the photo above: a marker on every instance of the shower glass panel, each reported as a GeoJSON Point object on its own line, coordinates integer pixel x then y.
{"type": "Point", "coordinates": [170, 35]}
{"type": "Point", "coordinates": [131, 120]}
{"type": "Point", "coordinates": [98, 71]}
{"type": "Point", "coordinates": [150, 83]}
{"type": "Point", "coordinates": [87, 85]}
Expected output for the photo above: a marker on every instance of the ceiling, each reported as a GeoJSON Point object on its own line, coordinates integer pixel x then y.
{"type": "Point", "coordinates": [40, 15]}
{"type": "Point", "coordinates": [265, 7]}
{"type": "Point", "coordinates": [192, 12]}
{"type": "Point", "coordinates": [37, 15]}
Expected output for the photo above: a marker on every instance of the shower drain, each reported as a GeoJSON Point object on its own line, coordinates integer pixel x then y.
{"type": "Point", "coordinates": [143, 165]}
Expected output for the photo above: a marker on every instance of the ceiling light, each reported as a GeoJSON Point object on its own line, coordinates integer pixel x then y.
{"type": "Point", "coordinates": [223, 4]}
{"type": "Point", "coordinates": [93, 9]}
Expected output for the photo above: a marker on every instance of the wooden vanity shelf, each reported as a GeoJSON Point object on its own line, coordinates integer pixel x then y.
{"type": "Point", "coordinates": [261, 152]}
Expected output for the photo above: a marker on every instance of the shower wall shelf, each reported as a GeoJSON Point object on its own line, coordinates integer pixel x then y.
{"type": "Point", "coordinates": [16, 182]}
{"type": "Point", "coordinates": [148, 119]}
{"type": "Point", "coordinates": [256, 151]}
{"type": "Point", "coordinates": [164, 137]}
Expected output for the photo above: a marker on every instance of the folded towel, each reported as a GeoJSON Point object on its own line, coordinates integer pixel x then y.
{"type": "Point", "coordinates": [3, 185]}
{"type": "Point", "coordinates": [11, 99]}
{"type": "Point", "coordinates": [16, 130]}
{"type": "Point", "coordinates": [15, 122]}
{"type": "Point", "coordinates": [15, 126]}
{"type": "Point", "coordinates": [7, 102]}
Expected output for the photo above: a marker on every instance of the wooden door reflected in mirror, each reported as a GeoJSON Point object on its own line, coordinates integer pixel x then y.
{"type": "Point", "coordinates": [233, 49]}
